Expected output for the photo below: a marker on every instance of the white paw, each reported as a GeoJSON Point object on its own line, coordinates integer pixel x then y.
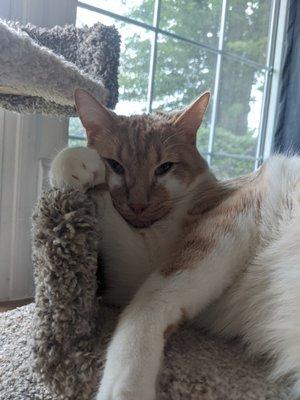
{"type": "Point", "coordinates": [77, 167]}
{"type": "Point", "coordinates": [122, 387]}
{"type": "Point", "coordinates": [126, 377]}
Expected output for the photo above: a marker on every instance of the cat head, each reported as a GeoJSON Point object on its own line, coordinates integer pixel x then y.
{"type": "Point", "coordinates": [151, 160]}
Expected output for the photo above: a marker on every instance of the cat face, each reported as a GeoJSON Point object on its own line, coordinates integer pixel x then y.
{"type": "Point", "coordinates": [151, 160]}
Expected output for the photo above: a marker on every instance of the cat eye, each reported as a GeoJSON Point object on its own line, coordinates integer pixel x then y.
{"type": "Point", "coordinates": [115, 166]}
{"type": "Point", "coordinates": [163, 168]}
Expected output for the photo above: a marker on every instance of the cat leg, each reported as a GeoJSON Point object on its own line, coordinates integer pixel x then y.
{"type": "Point", "coordinates": [135, 352]}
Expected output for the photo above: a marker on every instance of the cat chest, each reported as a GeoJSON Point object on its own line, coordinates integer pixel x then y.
{"type": "Point", "coordinates": [129, 256]}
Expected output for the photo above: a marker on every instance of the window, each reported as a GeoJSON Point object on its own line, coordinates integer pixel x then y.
{"type": "Point", "coordinates": [173, 50]}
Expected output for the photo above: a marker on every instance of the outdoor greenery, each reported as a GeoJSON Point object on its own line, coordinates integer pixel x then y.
{"type": "Point", "coordinates": [228, 167]}
{"type": "Point", "coordinates": [184, 70]}
{"type": "Point", "coordinates": [76, 130]}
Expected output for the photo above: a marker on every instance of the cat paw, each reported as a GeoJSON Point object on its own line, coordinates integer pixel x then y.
{"type": "Point", "coordinates": [121, 382]}
{"type": "Point", "coordinates": [123, 391]}
{"type": "Point", "coordinates": [77, 167]}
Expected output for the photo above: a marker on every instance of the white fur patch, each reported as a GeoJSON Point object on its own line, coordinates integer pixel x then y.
{"type": "Point", "coordinates": [114, 181]}
{"type": "Point", "coordinates": [174, 185]}
{"type": "Point", "coordinates": [77, 167]}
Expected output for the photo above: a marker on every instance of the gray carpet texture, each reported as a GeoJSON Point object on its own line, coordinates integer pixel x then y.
{"type": "Point", "coordinates": [196, 366]}
{"type": "Point", "coordinates": [55, 348]}
{"type": "Point", "coordinates": [40, 68]}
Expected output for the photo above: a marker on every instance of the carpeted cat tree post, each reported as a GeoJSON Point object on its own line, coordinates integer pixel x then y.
{"type": "Point", "coordinates": [55, 349]}
{"type": "Point", "coordinates": [67, 325]}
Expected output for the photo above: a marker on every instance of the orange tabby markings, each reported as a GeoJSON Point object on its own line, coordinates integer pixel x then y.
{"type": "Point", "coordinates": [212, 218]}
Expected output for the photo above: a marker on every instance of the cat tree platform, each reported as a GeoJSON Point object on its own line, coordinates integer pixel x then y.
{"type": "Point", "coordinates": [40, 68]}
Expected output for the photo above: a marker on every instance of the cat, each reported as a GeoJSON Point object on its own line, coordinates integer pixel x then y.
{"type": "Point", "coordinates": [178, 243]}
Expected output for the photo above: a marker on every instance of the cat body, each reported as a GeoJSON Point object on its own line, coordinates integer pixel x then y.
{"type": "Point", "coordinates": [130, 255]}
{"type": "Point", "coordinates": [186, 244]}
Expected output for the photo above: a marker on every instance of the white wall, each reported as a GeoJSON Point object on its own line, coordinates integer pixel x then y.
{"type": "Point", "coordinates": [26, 145]}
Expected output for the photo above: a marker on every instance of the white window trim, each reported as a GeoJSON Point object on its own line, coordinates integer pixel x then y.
{"type": "Point", "coordinates": [271, 117]}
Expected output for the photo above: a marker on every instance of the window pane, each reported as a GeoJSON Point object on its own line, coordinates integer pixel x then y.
{"type": "Point", "coordinates": [76, 129]}
{"type": "Point", "coordinates": [134, 69]}
{"type": "Point", "coordinates": [89, 18]}
{"type": "Point", "coordinates": [141, 10]}
{"type": "Point", "coordinates": [247, 28]}
{"type": "Point", "coordinates": [134, 61]}
{"type": "Point", "coordinates": [226, 167]}
{"type": "Point", "coordinates": [239, 111]}
{"type": "Point", "coordinates": [194, 19]}
{"type": "Point", "coordinates": [182, 73]}
{"type": "Point", "coordinates": [77, 136]}
{"type": "Point", "coordinates": [76, 142]}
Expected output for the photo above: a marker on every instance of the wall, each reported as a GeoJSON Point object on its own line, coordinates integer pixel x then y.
{"type": "Point", "coordinates": [27, 143]}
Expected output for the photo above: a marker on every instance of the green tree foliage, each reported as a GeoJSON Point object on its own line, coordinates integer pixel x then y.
{"type": "Point", "coordinates": [77, 136]}
{"type": "Point", "coordinates": [227, 167]}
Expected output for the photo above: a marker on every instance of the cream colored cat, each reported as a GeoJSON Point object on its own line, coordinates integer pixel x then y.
{"type": "Point", "coordinates": [177, 242]}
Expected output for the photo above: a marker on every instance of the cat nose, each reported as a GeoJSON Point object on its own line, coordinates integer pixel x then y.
{"type": "Point", "coordinates": [138, 208]}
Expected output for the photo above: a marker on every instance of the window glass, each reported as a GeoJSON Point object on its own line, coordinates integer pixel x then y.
{"type": "Point", "coordinates": [183, 70]}
{"type": "Point", "coordinates": [239, 109]}
{"type": "Point", "coordinates": [247, 28]}
{"type": "Point", "coordinates": [193, 19]}
{"type": "Point", "coordinates": [141, 10]}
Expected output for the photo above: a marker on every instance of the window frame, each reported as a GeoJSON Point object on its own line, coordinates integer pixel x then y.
{"type": "Point", "coordinates": [271, 68]}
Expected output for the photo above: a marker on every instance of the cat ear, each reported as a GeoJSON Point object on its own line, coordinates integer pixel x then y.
{"type": "Point", "coordinates": [95, 117]}
{"type": "Point", "coordinates": [189, 120]}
